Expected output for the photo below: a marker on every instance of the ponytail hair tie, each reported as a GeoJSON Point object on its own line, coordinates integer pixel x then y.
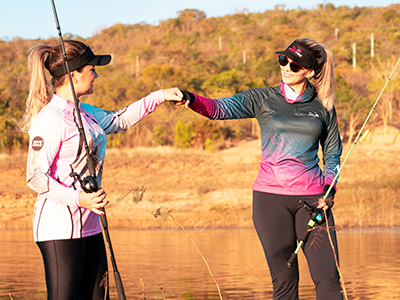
{"type": "Point", "coordinates": [47, 62]}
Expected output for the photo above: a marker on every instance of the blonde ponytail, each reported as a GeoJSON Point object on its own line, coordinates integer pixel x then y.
{"type": "Point", "coordinates": [324, 81]}
{"type": "Point", "coordinates": [324, 71]}
{"type": "Point", "coordinates": [38, 87]}
{"type": "Point", "coordinates": [40, 58]}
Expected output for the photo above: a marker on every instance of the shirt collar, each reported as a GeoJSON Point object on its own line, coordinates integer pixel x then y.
{"type": "Point", "coordinates": [63, 102]}
{"type": "Point", "coordinates": [292, 97]}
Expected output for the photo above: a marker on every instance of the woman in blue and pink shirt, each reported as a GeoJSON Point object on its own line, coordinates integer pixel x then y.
{"type": "Point", "coordinates": [295, 118]}
{"type": "Point", "coordinates": [66, 224]}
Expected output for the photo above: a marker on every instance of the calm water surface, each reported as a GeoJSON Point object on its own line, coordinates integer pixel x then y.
{"type": "Point", "coordinates": [164, 264]}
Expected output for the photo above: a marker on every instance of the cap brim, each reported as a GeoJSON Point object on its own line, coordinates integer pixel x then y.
{"type": "Point", "coordinates": [100, 60]}
{"type": "Point", "coordinates": [289, 54]}
{"type": "Point", "coordinates": [86, 58]}
{"type": "Point", "coordinates": [295, 58]}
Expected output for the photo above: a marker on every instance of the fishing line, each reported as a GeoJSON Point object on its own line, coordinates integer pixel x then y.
{"type": "Point", "coordinates": [357, 140]}
{"type": "Point", "coordinates": [365, 134]}
{"type": "Point", "coordinates": [315, 213]}
{"type": "Point", "coordinates": [361, 130]}
{"type": "Point", "coordinates": [89, 184]}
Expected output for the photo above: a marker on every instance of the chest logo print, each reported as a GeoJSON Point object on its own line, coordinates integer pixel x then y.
{"type": "Point", "coordinates": [312, 114]}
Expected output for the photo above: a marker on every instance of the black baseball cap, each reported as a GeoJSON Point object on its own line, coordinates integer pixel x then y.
{"type": "Point", "coordinates": [86, 58]}
{"type": "Point", "coordinates": [299, 55]}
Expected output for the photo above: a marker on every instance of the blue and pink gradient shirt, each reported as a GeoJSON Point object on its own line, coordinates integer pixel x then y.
{"type": "Point", "coordinates": [291, 131]}
{"type": "Point", "coordinates": [56, 150]}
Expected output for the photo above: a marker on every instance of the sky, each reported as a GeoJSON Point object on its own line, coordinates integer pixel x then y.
{"type": "Point", "coordinates": [33, 19]}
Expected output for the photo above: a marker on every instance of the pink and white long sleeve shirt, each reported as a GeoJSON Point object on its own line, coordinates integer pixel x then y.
{"type": "Point", "coordinates": [56, 150]}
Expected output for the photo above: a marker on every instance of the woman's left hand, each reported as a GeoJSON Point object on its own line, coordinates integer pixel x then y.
{"type": "Point", "coordinates": [173, 94]}
{"type": "Point", "coordinates": [93, 201]}
{"type": "Point", "coordinates": [328, 203]}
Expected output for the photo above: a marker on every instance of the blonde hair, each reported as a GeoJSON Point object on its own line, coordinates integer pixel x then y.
{"type": "Point", "coordinates": [324, 71]}
{"type": "Point", "coordinates": [40, 58]}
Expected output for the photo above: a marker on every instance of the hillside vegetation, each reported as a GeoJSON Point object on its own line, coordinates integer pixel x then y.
{"type": "Point", "coordinates": [217, 57]}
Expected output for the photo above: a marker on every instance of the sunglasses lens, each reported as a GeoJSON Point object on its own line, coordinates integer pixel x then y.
{"type": "Point", "coordinates": [294, 67]}
{"type": "Point", "coordinates": [283, 61]}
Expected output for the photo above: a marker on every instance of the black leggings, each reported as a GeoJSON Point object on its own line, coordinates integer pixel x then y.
{"type": "Point", "coordinates": [280, 221]}
{"type": "Point", "coordinates": [76, 268]}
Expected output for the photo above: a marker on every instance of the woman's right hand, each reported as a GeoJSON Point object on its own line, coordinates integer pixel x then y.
{"type": "Point", "coordinates": [173, 94]}
{"type": "Point", "coordinates": [93, 201]}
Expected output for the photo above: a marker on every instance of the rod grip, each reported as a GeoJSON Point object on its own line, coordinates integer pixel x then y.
{"type": "Point", "coordinates": [306, 234]}
{"type": "Point", "coordinates": [291, 260]}
{"type": "Point", "coordinates": [118, 284]}
{"type": "Point", "coordinates": [103, 219]}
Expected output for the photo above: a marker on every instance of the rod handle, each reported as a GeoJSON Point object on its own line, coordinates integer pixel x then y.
{"type": "Point", "coordinates": [103, 219]}
{"type": "Point", "coordinates": [118, 284]}
{"type": "Point", "coordinates": [306, 234]}
{"type": "Point", "coordinates": [291, 260]}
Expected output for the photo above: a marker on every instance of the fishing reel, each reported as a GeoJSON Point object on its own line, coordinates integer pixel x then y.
{"type": "Point", "coordinates": [316, 214]}
{"type": "Point", "coordinates": [88, 184]}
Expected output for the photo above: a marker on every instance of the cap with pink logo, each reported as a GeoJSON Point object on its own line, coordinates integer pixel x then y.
{"type": "Point", "coordinates": [299, 55]}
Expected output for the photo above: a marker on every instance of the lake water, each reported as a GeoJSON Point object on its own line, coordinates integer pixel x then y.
{"type": "Point", "coordinates": [164, 264]}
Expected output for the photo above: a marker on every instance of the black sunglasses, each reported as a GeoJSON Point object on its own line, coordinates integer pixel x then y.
{"type": "Point", "coordinates": [283, 61]}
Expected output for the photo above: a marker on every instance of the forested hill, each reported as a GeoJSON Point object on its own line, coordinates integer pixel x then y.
{"type": "Point", "coordinates": [217, 57]}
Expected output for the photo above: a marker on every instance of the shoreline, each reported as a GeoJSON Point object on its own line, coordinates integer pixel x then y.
{"type": "Point", "coordinates": [212, 189]}
{"type": "Point", "coordinates": [394, 230]}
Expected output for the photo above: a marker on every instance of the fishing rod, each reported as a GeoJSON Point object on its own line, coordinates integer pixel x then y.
{"type": "Point", "coordinates": [357, 140]}
{"type": "Point", "coordinates": [89, 184]}
{"type": "Point", "coordinates": [317, 216]}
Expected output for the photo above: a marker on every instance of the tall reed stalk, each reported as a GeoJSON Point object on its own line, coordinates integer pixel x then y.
{"type": "Point", "coordinates": [137, 196]}
{"type": "Point", "coordinates": [161, 211]}
{"type": "Point", "coordinates": [142, 293]}
{"type": "Point", "coordinates": [334, 255]}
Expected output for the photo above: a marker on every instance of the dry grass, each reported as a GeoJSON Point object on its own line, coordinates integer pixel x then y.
{"type": "Point", "coordinates": [206, 189]}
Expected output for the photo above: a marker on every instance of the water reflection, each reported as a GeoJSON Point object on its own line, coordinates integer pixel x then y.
{"type": "Point", "coordinates": [164, 264]}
